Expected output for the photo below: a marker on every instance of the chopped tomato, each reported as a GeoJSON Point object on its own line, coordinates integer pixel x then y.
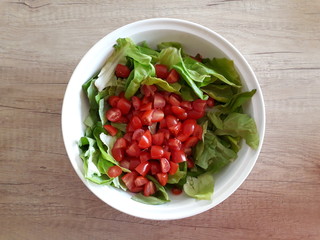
{"type": "Point", "coordinates": [113, 100]}
{"type": "Point", "coordinates": [111, 129]}
{"type": "Point", "coordinates": [124, 105]}
{"type": "Point", "coordinates": [148, 90]}
{"type": "Point", "coordinates": [158, 138]}
{"type": "Point", "coordinates": [140, 181]}
{"type": "Point", "coordinates": [157, 115]}
{"type": "Point", "coordinates": [144, 156]}
{"type": "Point", "coordinates": [114, 171]}
{"type": "Point", "coordinates": [173, 76]}
{"type": "Point", "coordinates": [210, 102]}
{"type": "Point", "coordinates": [176, 191]}
{"type": "Point", "coordinates": [122, 71]}
{"type": "Point", "coordinates": [137, 134]}
{"type": "Point", "coordinates": [199, 105]}
{"type": "Point", "coordinates": [186, 105]}
{"type": "Point", "coordinates": [174, 144]}
{"type": "Point", "coordinates": [149, 189]}
{"type": "Point", "coordinates": [129, 180]}
{"type": "Point", "coordinates": [162, 178]}
{"type": "Point", "coordinates": [165, 165]}
{"type": "Point", "coordinates": [113, 114]}
{"type": "Point", "coordinates": [156, 152]}
{"type": "Point", "coordinates": [161, 71]}
{"type": "Point", "coordinates": [190, 163]}
{"type": "Point", "coordinates": [155, 167]}
{"type": "Point", "coordinates": [143, 168]}
{"type": "Point", "coordinates": [120, 143]}
{"type": "Point", "coordinates": [173, 168]}
{"type": "Point", "coordinates": [173, 100]}
{"type": "Point", "coordinates": [167, 155]}
{"type": "Point", "coordinates": [133, 150]}
{"type": "Point", "coordinates": [159, 101]}
{"type": "Point", "coordinates": [188, 126]}
{"type": "Point", "coordinates": [134, 162]}
{"type": "Point", "coordinates": [118, 154]}
{"type": "Point", "coordinates": [195, 114]}
{"type": "Point", "coordinates": [191, 142]}
{"type": "Point", "coordinates": [198, 132]}
{"type": "Point", "coordinates": [136, 102]}
{"type": "Point", "coordinates": [146, 140]}
{"type": "Point", "coordinates": [146, 118]}
{"type": "Point", "coordinates": [178, 156]}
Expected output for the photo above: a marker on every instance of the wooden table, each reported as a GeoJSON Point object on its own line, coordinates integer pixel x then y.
{"type": "Point", "coordinates": [42, 41]}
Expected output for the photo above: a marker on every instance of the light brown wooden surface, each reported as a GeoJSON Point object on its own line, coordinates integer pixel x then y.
{"type": "Point", "coordinates": [42, 41]}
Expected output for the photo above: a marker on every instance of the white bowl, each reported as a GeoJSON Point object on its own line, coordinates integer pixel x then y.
{"type": "Point", "coordinates": [195, 39]}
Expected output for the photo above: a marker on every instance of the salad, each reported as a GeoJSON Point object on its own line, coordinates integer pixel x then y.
{"type": "Point", "coordinates": [162, 120]}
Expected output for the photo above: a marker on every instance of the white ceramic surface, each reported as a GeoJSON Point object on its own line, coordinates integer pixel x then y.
{"type": "Point", "coordinates": [195, 39]}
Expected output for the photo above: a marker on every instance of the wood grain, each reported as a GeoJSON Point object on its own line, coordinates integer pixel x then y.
{"type": "Point", "coordinates": [42, 41]}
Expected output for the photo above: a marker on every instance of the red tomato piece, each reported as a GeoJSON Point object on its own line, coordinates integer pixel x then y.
{"type": "Point", "coordinates": [171, 121]}
{"type": "Point", "coordinates": [146, 140]}
{"type": "Point", "coordinates": [155, 167]}
{"type": "Point", "coordinates": [122, 71]}
{"type": "Point", "coordinates": [177, 110]}
{"type": "Point", "coordinates": [137, 134]}
{"type": "Point", "coordinates": [146, 118]}
{"type": "Point", "coordinates": [174, 144]}
{"type": "Point", "coordinates": [136, 102]}
{"type": "Point", "coordinates": [210, 102]}
{"type": "Point", "coordinates": [176, 191]}
{"type": "Point", "coordinates": [173, 76]}
{"type": "Point", "coordinates": [113, 114]}
{"type": "Point", "coordinates": [122, 119]}
{"type": "Point", "coordinates": [199, 105]}
{"type": "Point", "coordinates": [129, 180]}
{"type": "Point", "coordinates": [113, 100]}
{"type": "Point", "coordinates": [187, 151]}
{"type": "Point", "coordinates": [140, 181]}
{"type": "Point", "coordinates": [120, 143]}
{"type": "Point", "coordinates": [149, 189]}
{"type": "Point", "coordinates": [167, 110]}
{"type": "Point", "coordinates": [124, 105]}
{"type": "Point", "coordinates": [148, 90]}
{"type": "Point", "coordinates": [173, 168]}
{"type": "Point", "coordinates": [165, 165]}
{"type": "Point", "coordinates": [195, 114]}
{"type": "Point", "coordinates": [159, 101]}
{"type": "Point", "coordinates": [178, 156]}
{"type": "Point", "coordinates": [167, 155]}
{"type": "Point", "coordinates": [188, 126]}
{"type": "Point", "coordinates": [128, 137]}
{"type": "Point", "coordinates": [186, 105]}
{"type": "Point", "coordinates": [157, 115]}
{"type": "Point", "coordinates": [162, 178]}
{"type": "Point", "coordinates": [134, 162]}
{"type": "Point", "coordinates": [174, 100]}
{"type": "Point", "coordinates": [114, 171]}
{"type": "Point", "coordinates": [182, 137]}
{"type": "Point", "coordinates": [156, 152]}
{"type": "Point", "coordinates": [161, 71]}
{"type": "Point", "coordinates": [111, 129]}
{"type": "Point", "coordinates": [163, 124]}
{"type": "Point", "coordinates": [182, 116]}
{"type": "Point", "coordinates": [166, 133]}
{"type": "Point", "coordinates": [190, 142]}
{"type": "Point", "coordinates": [144, 156]}
{"type": "Point", "coordinates": [135, 123]}
{"type": "Point", "coordinates": [118, 154]}
{"type": "Point", "coordinates": [175, 129]}
{"type": "Point", "coordinates": [143, 168]}
{"type": "Point", "coordinates": [125, 163]}
{"type": "Point", "coordinates": [190, 163]}
{"type": "Point", "coordinates": [198, 132]}
{"type": "Point", "coordinates": [146, 107]}
{"type": "Point", "coordinates": [133, 150]}
{"type": "Point", "coordinates": [158, 138]}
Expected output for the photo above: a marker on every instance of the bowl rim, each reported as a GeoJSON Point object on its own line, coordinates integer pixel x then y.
{"type": "Point", "coordinates": [218, 37]}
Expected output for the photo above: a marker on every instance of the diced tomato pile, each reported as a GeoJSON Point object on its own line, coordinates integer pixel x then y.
{"type": "Point", "coordinates": [161, 131]}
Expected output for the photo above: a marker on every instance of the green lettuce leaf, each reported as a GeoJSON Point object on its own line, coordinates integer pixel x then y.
{"type": "Point", "coordinates": [164, 85]}
{"type": "Point", "coordinates": [237, 101]}
{"type": "Point", "coordinates": [151, 200]}
{"type": "Point", "coordinates": [179, 175]}
{"type": "Point", "coordinates": [221, 93]}
{"type": "Point", "coordinates": [169, 56]}
{"type": "Point", "coordinates": [200, 187]}
{"type": "Point", "coordinates": [164, 45]}
{"type": "Point", "coordinates": [90, 156]}
{"type": "Point", "coordinates": [213, 152]}
{"type": "Point", "coordinates": [138, 74]}
{"type": "Point", "coordinates": [240, 125]}
{"type": "Point", "coordinates": [225, 67]}
{"type": "Point", "coordinates": [202, 72]}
